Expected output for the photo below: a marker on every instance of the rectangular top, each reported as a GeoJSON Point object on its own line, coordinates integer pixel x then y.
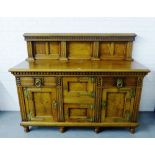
{"type": "Point", "coordinates": [79, 66]}
{"type": "Point", "coordinates": [79, 36]}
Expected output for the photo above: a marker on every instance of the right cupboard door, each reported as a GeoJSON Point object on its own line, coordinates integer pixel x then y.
{"type": "Point", "coordinates": [117, 104]}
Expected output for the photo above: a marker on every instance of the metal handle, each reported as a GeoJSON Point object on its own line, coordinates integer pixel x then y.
{"type": "Point", "coordinates": [119, 83]}
{"type": "Point", "coordinates": [38, 82]}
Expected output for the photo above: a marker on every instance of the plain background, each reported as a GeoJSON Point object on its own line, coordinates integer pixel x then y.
{"type": "Point", "coordinates": [77, 8]}
{"type": "Point", "coordinates": [13, 48]}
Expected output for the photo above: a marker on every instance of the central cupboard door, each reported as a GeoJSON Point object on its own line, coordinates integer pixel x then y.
{"type": "Point", "coordinates": [79, 98]}
{"type": "Point", "coordinates": [41, 104]}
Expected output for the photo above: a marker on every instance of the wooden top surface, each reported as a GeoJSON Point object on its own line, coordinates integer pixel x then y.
{"type": "Point", "coordinates": [79, 34]}
{"type": "Point", "coordinates": [79, 66]}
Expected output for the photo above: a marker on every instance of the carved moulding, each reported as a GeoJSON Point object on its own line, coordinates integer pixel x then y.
{"type": "Point", "coordinates": [23, 73]}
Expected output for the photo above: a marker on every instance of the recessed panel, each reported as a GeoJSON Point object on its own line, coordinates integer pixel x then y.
{"type": "Point", "coordinates": [120, 49]}
{"type": "Point", "coordinates": [113, 50]}
{"type": "Point", "coordinates": [115, 104]}
{"type": "Point", "coordinates": [42, 103]}
{"type": "Point", "coordinates": [105, 49]}
{"type": "Point", "coordinates": [54, 48]}
{"type": "Point", "coordinates": [77, 113]}
{"type": "Point", "coordinates": [79, 50]}
{"type": "Point", "coordinates": [39, 47]}
{"type": "Point", "coordinates": [77, 86]}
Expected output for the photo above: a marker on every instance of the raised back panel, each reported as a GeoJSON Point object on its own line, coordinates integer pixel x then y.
{"type": "Point", "coordinates": [80, 46]}
{"type": "Point", "coordinates": [79, 50]}
{"type": "Point", "coordinates": [46, 49]}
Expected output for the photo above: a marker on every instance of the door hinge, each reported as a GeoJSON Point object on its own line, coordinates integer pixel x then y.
{"type": "Point", "coordinates": [90, 119]}
{"type": "Point", "coordinates": [92, 80]}
{"type": "Point", "coordinates": [92, 106]}
{"type": "Point", "coordinates": [127, 115]}
{"type": "Point", "coordinates": [132, 93]}
{"type": "Point", "coordinates": [92, 94]}
{"type": "Point", "coordinates": [104, 103]}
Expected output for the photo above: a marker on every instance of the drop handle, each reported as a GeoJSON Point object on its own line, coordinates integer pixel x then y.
{"type": "Point", "coordinates": [38, 82]}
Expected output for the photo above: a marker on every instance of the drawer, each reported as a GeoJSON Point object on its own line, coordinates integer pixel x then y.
{"type": "Point", "coordinates": [79, 89]}
{"type": "Point", "coordinates": [76, 112]}
{"type": "Point", "coordinates": [119, 81]}
{"type": "Point", "coordinates": [38, 81]}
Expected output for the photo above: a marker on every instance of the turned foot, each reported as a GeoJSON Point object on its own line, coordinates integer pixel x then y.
{"type": "Point", "coordinates": [26, 129]}
{"type": "Point", "coordinates": [97, 129]}
{"type": "Point", "coordinates": [62, 129]}
{"type": "Point", "coordinates": [132, 130]}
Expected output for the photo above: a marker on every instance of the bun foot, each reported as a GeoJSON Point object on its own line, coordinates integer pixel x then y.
{"type": "Point", "coordinates": [26, 129]}
{"type": "Point", "coordinates": [132, 130]}
{"type": "Point", "coordinates": [97, 130]}
{"type": "Point", "coordinates": [62, 129]}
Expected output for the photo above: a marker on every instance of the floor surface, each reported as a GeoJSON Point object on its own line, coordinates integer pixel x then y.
{"type": "Point", "coordinates": [10, 128]}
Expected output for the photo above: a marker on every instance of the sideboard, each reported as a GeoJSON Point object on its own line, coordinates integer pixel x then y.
{"type": "Point", "coordinates": [73, 80]}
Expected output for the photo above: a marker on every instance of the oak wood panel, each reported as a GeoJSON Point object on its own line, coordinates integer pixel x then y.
{"type": "Point", "coordinates": [39, 102]}
{"type": "Point", "coordinates": [79, 66]}
{"type": "Point", "coordinates": [76, 112]}
{"type": "Point", "coordinates": [79, 91]}
{"type": "Point", "coordinates": [79, 50]}
{"type": "Point", "coordinates": [117, 104]}
{"type": "Point", "coordinates": [79, 124]}
{"type": "Point", "coordinates": [30, 81]}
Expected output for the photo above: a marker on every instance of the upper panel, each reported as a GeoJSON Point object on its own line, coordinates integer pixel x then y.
{"type": "Point", "coordinates": [92, 46]}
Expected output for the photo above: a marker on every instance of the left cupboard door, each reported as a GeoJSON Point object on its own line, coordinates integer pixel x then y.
{"type": "Point", "coordinates": [41, 104]}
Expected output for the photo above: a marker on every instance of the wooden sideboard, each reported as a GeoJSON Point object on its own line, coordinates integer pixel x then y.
{"type": "Point", "coordinates": [87, 80]}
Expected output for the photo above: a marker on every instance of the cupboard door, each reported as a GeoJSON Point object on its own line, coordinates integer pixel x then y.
{"type": "Point", "coordinates": [41, 104]}
{"type": "Point", "coordinates": [79, 112]}
{"type": "Point", "coordinates": [117, 104]}
{"type": "Point", "coordinates": [79, 89]}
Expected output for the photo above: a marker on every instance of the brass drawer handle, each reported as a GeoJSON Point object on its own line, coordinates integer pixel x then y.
{"type": "Point", "coordinates": [38, 82]}
{"type": "Point", "coordinates": [119, 83]}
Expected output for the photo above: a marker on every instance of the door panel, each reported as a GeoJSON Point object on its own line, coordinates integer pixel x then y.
{"type": "Point", "coordinates": [117, 104]}
{"type": "Point", "coordinates": [79, 112]}
{"type": "Point", "coordinates": [79, 89]}
{"type": "Point", "coordinates": [40, 103]}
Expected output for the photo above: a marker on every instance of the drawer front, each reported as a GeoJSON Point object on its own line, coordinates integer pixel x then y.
{"type": "Point", "coordinates": [119, 82]}
{"type": "Point", "coordinates": [38, 81]}
{"type": "Point", "coordinates": [79, 89]}
{"type": "Point", "coordinates": [75, 112]}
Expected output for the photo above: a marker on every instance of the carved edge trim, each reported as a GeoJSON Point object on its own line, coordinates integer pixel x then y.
{"type": "Point", "coordinates": [59, 84]}
{"type": "Point", "coordinates": [79, 38]}
{"type": "Point", "coordinates": [80, 73]}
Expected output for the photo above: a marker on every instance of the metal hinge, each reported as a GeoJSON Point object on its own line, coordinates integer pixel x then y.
{"type": "Point", "coordinates": [92, 106]}
{"type": "Point", "coordinates": [127, 115]}
{"type": "Point", "coordinates": [132, 94]}
{"type": "Point", "coordinates": [104, 103]}
{"type": "Point", "coordinates": [93, 94]}
{"type": "Point", "coordinates": [90, 119]}
{"type": "Point", "coordinates": [92, 80]}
